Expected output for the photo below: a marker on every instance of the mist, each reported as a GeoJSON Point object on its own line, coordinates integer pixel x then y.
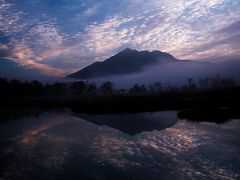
{"type": "Point", "coordinates": [176, 73]}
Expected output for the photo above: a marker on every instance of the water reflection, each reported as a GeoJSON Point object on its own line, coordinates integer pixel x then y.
{"type": "Point", "coordinates": [63, 146]}
{"type": "Point", "coordinates": [134, 123]}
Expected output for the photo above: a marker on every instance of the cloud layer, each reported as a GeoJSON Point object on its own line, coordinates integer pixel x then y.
{"type": "Point", "coordinates": [59, 37]}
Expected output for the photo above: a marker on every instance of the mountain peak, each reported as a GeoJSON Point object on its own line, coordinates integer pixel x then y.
{"type": "Point", "coordinates": [125, 62]}
{"type": "Point", "coordinates": [128, 50]}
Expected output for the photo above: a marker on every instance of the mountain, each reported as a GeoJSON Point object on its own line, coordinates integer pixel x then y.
{"type": "Point", "coordinates": [126, 62]}
{"type": "Point", "coordinates": [131, 67]}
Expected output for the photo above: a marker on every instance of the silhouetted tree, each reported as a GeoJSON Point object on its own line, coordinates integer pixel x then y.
{"type": "Point", "coordinates": [92, 89]}
{"type": "Point", "coordinates": [191, 84]}
{"type": "Point", "coordinates": [215, 82]}
{"type": "Point", "coordinates": [107, 88]}
{"type": "Point", "coordinates": [203, 83]}
{"type": "Point", "coordinates": [78, 88]}
{"type": "Point", "coordinates": [122, 92]}
{"type": "Point", "coordinates": [138, 90]}
{"type": "Point", "coordinates": [228, 83]}
{"type": "Point", "coordinates": [155, 88]}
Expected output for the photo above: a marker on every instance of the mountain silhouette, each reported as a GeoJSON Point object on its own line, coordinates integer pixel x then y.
{"type": "Point", "coordinates": [125, 62]}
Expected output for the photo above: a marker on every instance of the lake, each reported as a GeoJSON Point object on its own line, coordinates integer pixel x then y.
{"type": "Point", "coordinates": [66, 145]}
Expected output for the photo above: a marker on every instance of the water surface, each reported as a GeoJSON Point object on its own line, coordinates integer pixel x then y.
{"type": "Point", "coordinates": [62, 145]}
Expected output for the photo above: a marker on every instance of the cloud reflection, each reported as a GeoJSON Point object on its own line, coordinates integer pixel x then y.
{"type": "Point", "coordinates": [188, 150]}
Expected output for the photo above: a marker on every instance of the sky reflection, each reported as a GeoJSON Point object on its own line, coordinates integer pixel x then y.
{"type": "Point", "coordinates": [59, 145]}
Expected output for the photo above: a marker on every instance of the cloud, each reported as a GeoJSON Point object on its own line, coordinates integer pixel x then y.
{"type": "Point", "coordinates": [91, 10]}
{"type": "Point", "coordinates": [4, 51]}
{"type": "Point", "coordinates": [161, 29]}
{"type": "Point", "coordinates": [26, 57]}
{"type": "Point", "coordinates": [223, 44]}
{"type": "Point", "coordinates": [28, 39]}
{"type": "Point", "coordinates": [80, 32]}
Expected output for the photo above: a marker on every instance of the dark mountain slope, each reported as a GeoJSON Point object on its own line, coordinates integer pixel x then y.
{"type": "Point", "coordinates": [126, 62]}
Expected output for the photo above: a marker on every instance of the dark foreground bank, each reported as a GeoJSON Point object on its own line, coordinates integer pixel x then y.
{"type": "Point", "coordinates": [105, 98]}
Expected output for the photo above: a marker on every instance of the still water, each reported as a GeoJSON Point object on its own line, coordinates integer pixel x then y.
{"type": "Point", "coordinates": [64, 145]}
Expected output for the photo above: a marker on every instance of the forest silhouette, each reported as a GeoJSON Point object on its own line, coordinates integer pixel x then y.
{"type": "Point", "coordinates": [206, 96]}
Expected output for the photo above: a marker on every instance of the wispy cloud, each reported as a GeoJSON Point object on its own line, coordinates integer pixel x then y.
{"type": "Point", "coordinates": [81, 32]}
{"type": "Point", "coordinates": [91, 10]}
{"type": "Point", "coordinates": [26, 57]}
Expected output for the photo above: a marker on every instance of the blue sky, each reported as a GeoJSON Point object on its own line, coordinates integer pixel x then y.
{"type": "Point", "coordinates": [61, 36]}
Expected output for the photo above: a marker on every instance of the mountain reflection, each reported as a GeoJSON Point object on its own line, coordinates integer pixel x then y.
{"type": "Point", "coordinates": [62, 146]}
{"type": "Point", "coordinates": [134, 123]}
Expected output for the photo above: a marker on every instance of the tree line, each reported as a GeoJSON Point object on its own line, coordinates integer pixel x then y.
{"type": "Point", "coordinates": [12, 89]}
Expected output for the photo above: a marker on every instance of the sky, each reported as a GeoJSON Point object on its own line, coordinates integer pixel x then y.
{"type": "Point", "coordinates": [61, 36]}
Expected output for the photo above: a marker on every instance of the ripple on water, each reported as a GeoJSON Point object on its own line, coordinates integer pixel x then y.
{"type": "Point", "coordinates": [59, 143]}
